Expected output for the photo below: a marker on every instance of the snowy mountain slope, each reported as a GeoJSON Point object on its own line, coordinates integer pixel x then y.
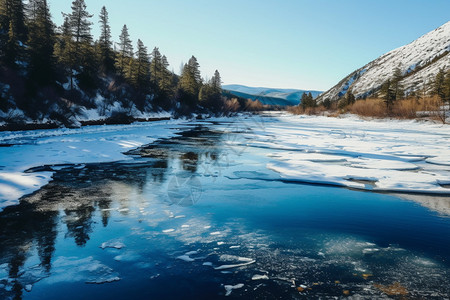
{"type": "Point", "coordinates": [419, 62]}
{"type": "Point", "coordinates": [269, 95]}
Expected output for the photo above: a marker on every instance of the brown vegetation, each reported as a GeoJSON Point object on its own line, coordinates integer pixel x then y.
{"type": "Point", "coordinates": [430, 107]}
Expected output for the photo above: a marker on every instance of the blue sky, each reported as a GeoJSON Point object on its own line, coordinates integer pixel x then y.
{"type": "Point", "coordinates": [305, 44]}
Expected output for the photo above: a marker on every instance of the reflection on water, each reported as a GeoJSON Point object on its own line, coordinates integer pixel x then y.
{"type": "Point", "coordinates": [167, 225]}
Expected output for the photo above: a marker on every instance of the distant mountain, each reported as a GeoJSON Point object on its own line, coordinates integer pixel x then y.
{"type": "Point", "coordinates": [268, 96]}
{"type": "Point", "coordinates": [419, 62]}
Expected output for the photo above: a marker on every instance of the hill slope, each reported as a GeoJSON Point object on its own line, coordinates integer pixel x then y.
{"type": "Point", "coordinates": [419, 62]}
{"type": "Point", "coordinates": [268, 95]}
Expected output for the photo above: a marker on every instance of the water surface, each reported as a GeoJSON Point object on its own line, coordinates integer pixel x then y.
{"type": "Point", "coordinates": [177, 222]}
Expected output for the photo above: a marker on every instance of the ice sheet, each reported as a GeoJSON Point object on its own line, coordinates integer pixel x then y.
{"type": "Point", "coordinates": [90, 144]}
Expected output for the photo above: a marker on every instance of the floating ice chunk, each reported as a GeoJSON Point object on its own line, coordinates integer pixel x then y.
{"type": "Point", "coordinates": [207, 264]}
{"type": "Point", "coordinates": [102, 280]}
{"type": "Point", "coordinates": [235, 247]}
{"type": "Point", "coordinates": [370, 250]}
{"type": "Point", "coordinates": [168, 230]}
{"type": "Point", "coordinates": [89, 270]}
{"type": "Point", "coordinates": [128, 256]}
{"type": "Point", "coordinates": [220, 243]}
{"type": "Point", "coordinates": [112, 244]}
{"type": "Point", "coordinates": [260, 277]}
{"type": "Point", "coordinates": [230, 288]}
{"type": "Point", "coordinates": [185, 258]}
{"type": "Point", "coordinates": [28, 287]}
{"type": "Point", "coordinates": [215, 233]}
{"type": "Point", "coordinates": [238, 261]}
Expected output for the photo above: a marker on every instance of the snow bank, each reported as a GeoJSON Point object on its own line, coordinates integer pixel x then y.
{"type": "Point", "coordinates": [89, 144]}
{"type": "Point", "coordinates": [388, 155]}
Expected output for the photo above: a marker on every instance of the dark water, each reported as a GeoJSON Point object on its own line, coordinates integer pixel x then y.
{"type": "Point", "coordinates": [176, 223]}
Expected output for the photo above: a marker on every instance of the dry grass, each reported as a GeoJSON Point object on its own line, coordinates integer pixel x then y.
{"type": "Point", "coordinates": [368, 108]}
{"type": "Point", "coordinates": [410, 108]}
{"type": "Point", "coordinates": [298, 110]}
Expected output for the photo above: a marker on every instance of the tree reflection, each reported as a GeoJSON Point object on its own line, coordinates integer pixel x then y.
{"type": "Point", "coordinates": [78, 192]}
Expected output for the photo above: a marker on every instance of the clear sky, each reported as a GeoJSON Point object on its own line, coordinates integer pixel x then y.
{"type": "Point", "coordinates": [304, 44]}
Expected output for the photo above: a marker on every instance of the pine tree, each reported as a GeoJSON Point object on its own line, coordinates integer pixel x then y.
{"type": "Point", "coordinates": [194, 68]}
{"type": "Point", "coordinates": [307, 100]}
{"type": "Point", "coordinates": [13, 32]}
{"type": "Point", "coordinates": [389, 94]}
{"type": "Point", "coordinates": [41, 43]}
{"type": "Point", "coordinates": [162, 80]}
{"type": "Point", "coordinates": [350, 97]}
{"type": "Point", "coordinates": [396, 85]}
{"type": "Point", "coordinates": [439, 84]}
{"type": "Point", "coordinates": [447, 87]}
{"type": "Point", "coordinates": [64, 47]}
{"type": "Point", "coordinates": [216, 82]}
{"type": "Point", "coordinates": [156, 68]}
{"type": "Point", "coordinates": [190, 83]}
{"type": "Point", "coordinates": [75, 45]}
{"type": "Point", "coordinates": [125, 51]}
{"type": "Point", "coordinates": [210, 94]}
{"type": "Point", "coordinates": [104, 43]}
{"type": "Point", "coordinates": [166, 80]}
{"type": "Point", "coordinates": [142, 76]}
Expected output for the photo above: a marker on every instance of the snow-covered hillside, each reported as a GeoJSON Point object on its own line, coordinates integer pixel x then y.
{"type": "Point", "coordinates": [269, 96]}
{"type": "Point", "coordinates": [419, 62]}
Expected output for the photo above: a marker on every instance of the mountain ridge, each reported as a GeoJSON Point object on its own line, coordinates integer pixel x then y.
{"type": "Point", "coordinates": [271, 96]}
{"type": "Point", "coordinates": [419, 61]}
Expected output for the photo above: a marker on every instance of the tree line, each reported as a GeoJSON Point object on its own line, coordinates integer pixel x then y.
{"type": "Point", "coordinates": [50, 72]}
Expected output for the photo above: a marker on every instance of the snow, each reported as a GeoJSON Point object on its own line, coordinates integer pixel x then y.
{"type": "Point", "coordinates": [237, 262]}
{"type": "Point", "coordinates": [230, 288]}
{"type": "Point", "coordinates": [112, 244]}
{"type": "Point", "coordinates": [418, 53]}
{"type": "Point", "coordinates": [260, 277]}
{"type": "Point", "coordinates": [376, 155]}
{"type": "Point", "coordinates": [389, 155]}
{"type": "Point", "coordinates": [73, 269]}
{"type": "Point", "coordinates": [90, 144]}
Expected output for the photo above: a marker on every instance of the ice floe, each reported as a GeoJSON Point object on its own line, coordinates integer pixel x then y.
{"type": "Point", "coordinates": [369, 155]}
{"type": "Point", "coordinates": [230, 288]}
{"type": "Point", "coordinates": [112, 244]}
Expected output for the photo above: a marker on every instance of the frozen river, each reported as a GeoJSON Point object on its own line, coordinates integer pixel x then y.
{"type": "Point", "coordinates": [260, 207]}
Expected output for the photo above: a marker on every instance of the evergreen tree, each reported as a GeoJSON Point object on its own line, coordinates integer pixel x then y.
{"type": "Point", "coordinates": [41, 43]}
{"type": "Point", "coordinates": [210, 94]}
{"type": "Point", "coordinates": [350, 97]}
{"type": "Point", "coordinates": [389, 94]}
{"type": "Point", "coordinates": [216, 82]}
{"type": "Point", "coordinates": [80, 28]}
{"type": "Point", "coordinates": [156, 68]}
{"type": "Point", "coordinates": [194, 68]}
{"type": "Point", "coordinates": [13, 32]}
{"type": "Point", "coordinates": [64, 47]}
{"type": "Point", "coordinates": [396, 85]}
{"type": "Point", "coordinates": [142, 75]}
{"type": "Point", "coordinates": [166, 80]}
{"type": "Point", "coordinates": [190, 83]}
{"type": "Point", "coordinates": [447, 86]}
{"type": "Point", "coordinates": [104, 43]}
{"type": "Point", "coordinates": [161, 79]}
{"type": "Point", "coordinates": [307, 100]}
{"type": "Point", "coordinates": [439, 84]}
{"type": "Point", "coordinates": [125, 51]}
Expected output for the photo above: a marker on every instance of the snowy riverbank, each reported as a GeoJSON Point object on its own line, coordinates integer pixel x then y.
{"type": "Point", "coordinates": [381, 155]}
